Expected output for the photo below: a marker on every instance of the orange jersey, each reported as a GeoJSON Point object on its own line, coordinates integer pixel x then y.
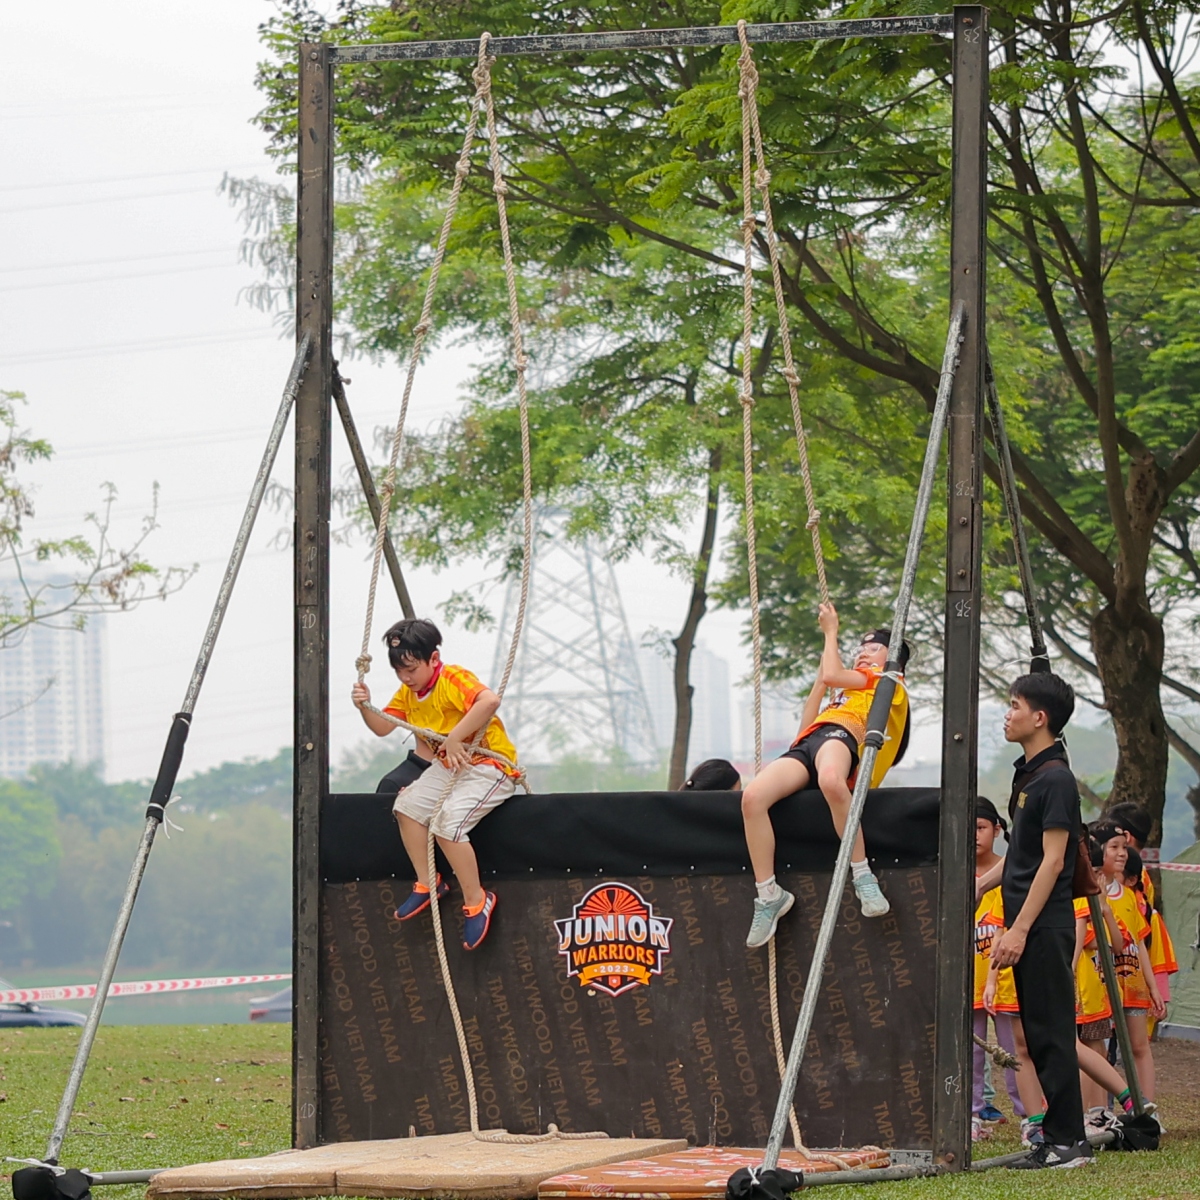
{"type": "Point", "coordinates": [444, 703]}
{"type": "Point", "coordinates": [850, 708]}
{"type": "Point", "coordinates": [1135, 991]}
{"type": "Point", "coordinates": [1091, 996]}
{"type": "Point", "coordinates": [989, 924]}
{"type": "Point", "coordinates": [1162, 949]}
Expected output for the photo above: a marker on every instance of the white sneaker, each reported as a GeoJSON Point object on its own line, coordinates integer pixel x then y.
{"type": "Point", "coordinates": [870, 897]}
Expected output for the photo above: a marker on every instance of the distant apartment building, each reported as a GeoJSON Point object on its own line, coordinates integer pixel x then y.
{"type": "Point", "coordinates": [712, 730]}
{"type": "Point", "coordinates": [52, 697]}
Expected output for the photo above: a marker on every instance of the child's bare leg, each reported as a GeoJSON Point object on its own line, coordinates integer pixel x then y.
{"type": "Point", "coordinates": [462, 860]}
{"type": "Point", "coordinates": [1099, 1078]}
{"type": "Point", "coordinates": [1142, 1056]}
{"type": "Point", "coordinates": [1027, 1081]}
{"type": "Point", "coordinates": [775, 781]}
{"type": "Point", "coordinates": [415, 837]}
{"type": "Point", "coordinates": [833, 763]}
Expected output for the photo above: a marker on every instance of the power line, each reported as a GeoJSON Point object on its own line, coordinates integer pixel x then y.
{"type": "Point", "coordinates": [55, 183]}
{"type": "Point", "coordinates": [78, 282]}
{"type": "Point", "coordinates": [106, 200]}
{"type": "Point", "coordinates": [68, 353]}
{"type": "Point", "coordinates": [124, 258]}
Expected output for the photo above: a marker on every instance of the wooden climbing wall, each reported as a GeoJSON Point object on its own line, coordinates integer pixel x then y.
{"type": "Point", "coordinates": [627, 1003]}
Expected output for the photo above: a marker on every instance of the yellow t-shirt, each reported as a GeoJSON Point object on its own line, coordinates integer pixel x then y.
{"type": "Point", "coordinates": [989, 924]}
{"type": "Point", "coordinates": [444, 703]}
{"type": "Point", "coordinates": [1162, 949]}
{"type": "Point", "coordinates": [850, 708]}
{"type": "Point", "coordinates": [1135, 992]}
{"type": "Point", "coordinates": [1091, 996]}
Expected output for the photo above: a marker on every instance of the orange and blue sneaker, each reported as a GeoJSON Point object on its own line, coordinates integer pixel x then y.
{"type": "Point", "coordinates": [476, 922]}
{"type": "Point", "coordinates": [419, 901]}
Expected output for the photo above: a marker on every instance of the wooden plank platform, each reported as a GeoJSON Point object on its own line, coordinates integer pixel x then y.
{"type": "Point", "coordinates": [699, 1174]}
{"type": "Point", "coordinates": [452, 1166]}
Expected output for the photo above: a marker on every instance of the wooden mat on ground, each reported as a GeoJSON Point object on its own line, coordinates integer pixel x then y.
{"type": "Point", "coordinates": [688, 1174]}
{"type": "Point", "coordinates": [452, 1166]}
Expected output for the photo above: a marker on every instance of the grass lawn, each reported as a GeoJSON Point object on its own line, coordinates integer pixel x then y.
{"type": "Point", "coordinates": [167, 1095]}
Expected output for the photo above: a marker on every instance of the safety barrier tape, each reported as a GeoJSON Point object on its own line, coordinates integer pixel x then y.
{"type": "Point", "coordinates": [1178, 866]}
{"type": "Point", "coordinates": [143, 987]}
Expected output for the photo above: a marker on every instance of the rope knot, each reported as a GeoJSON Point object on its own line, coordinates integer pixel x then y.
{"type": "Point", "coordinates": [814, 519]}
{"type": "Point", "coordinates": [749, 224]}
{"type": "Point", "coordinates": [522, 363]}
{"type": "Point", "coordinates": [362, 664]}
{"type": "Point", "coordinates": [747, 399]}
{"type": "Point", "coordinates": [762, 177]}
{"type": "Point", "coordinates": [421, 328]}
{"type": "Point", "coordinates": [500, 188]}
{"type": "Point", "coordinates": [462, 168]}
{"type": "Point", "coordinates": [387, 490]}
{"type": "Point", "coordinates": [791, 375]}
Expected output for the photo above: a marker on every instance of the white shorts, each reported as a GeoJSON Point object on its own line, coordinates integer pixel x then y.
{"type": "Point", "coordinates": [477, 790]}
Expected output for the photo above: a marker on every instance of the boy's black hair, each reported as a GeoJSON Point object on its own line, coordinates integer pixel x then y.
{"type": "Point", "coordinates": [412, 640]}
{"type": "Point", "coordinates": [712, 775]}
{"type": "Point", "coordinates": [1104, 830]}
{"type": "Point", "coordinates": [884, 638]}
{"type": "Point", "coordinates": [985, 810]}
{"type": "Point", "coordinates": [1132, 816]}
{"type": "Point", "coordinates": [1133, 867]}
{"type": "Point", "coordinates": [1048, 693]}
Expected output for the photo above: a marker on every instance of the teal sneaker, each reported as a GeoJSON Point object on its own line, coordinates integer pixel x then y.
{"type": "Point", "coordinates": [766, 917]}
{"type": "Point", "coordinates": [873, 902]}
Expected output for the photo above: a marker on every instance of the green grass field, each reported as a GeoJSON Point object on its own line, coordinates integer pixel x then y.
{"type": "Point", "coordinates": [166, 1095]}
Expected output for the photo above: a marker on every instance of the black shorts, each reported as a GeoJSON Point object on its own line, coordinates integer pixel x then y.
{"type": "Point", "coordinates": [409, 771]}
{"type": "Point", "coordinates": [805, 750]}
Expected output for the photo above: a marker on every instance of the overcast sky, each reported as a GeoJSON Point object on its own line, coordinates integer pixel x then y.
{"type": "Point", "coordinates": [121, 320]}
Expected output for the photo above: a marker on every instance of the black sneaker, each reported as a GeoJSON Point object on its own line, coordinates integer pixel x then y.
{"type": "Point", "coordinates": [1048, 1156]}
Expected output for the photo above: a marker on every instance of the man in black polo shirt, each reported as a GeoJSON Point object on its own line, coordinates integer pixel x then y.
{"type": "Point", "coordinates": [1039, 937]}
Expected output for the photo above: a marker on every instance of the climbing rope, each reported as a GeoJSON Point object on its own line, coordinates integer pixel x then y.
{"type": "Point", "coordinates": [751, 140]}
{"type": "Point", "coordinates": [1000, 1056]}
{"type": "Point", "coordinates": [481, 102]}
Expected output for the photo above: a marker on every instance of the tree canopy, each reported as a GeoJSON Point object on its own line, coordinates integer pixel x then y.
{"type": "Point", "coordinates": [625, 195]}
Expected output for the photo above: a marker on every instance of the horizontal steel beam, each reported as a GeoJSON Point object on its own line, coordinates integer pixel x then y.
{"type": "Point", "coordinates": [647, 39]}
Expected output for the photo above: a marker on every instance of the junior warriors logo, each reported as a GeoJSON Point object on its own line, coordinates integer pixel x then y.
{"type": "Point", "coordinates": [614, 942]}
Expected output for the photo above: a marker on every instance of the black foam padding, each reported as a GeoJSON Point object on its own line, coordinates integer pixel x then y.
{"type": "Point", "coordinates": [557, 836]}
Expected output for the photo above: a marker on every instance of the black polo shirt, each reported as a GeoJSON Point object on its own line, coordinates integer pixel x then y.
{"type": "Point", "coordinates": [1041, 800]}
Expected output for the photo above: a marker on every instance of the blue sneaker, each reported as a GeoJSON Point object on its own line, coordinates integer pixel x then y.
{"type": "Point", "coordinates": [475, 928]}
{"type": "Point", "coordinates": [418, 901]}
{"type": "Point", "coordinates": [990, 1114]}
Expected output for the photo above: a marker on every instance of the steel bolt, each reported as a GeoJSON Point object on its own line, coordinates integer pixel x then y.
{"type": "Point", "coordinates": [962, 572]}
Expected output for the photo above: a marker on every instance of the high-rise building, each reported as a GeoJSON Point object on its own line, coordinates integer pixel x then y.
{"type": "Point", "coordinates": [52, 696]}
{"type": "Point", "coordinates": [712, 731]}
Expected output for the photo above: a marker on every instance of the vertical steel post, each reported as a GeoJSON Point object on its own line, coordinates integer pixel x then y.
{"type": "Point", "coordinates": [314, 316]}
{"type": "Point", "coordinates": [960, 717]}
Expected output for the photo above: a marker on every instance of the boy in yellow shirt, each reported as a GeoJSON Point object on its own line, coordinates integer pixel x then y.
{"type": "Point", "coordinates": [447, 700]}
{"type": "Point", "coordinates": [826, 752]}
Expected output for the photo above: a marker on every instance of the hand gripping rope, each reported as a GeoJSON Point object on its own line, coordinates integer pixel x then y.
{"type": "Point", "coordinates": [481, 102]}
{"type": "Point", "coordinates": [752, 147]}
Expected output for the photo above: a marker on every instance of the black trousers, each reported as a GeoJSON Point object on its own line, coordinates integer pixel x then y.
{"type": "Point", "coordinates": [1046, 996]}
{"type": "Point", "coordinates": [409, 771]}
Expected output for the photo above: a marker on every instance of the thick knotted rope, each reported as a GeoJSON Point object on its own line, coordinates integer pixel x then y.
{"type": "Point", "coordinates": [752, 144]}
{"type": "Point", "coordinates": [481, 101]}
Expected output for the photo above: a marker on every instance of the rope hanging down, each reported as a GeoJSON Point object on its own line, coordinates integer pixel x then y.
{"type": "Point", "coordinates": [751, 145]}
{"type": "Point", "coordinates": [480, 102]}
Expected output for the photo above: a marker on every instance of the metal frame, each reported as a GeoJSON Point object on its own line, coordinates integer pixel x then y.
{"type": "Point", "coordinates": [314, 316]}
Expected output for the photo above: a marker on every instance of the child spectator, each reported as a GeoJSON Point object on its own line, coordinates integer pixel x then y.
{"type": "Point", "coordinates": [713, 775]}
{"type": "Point", "coordinates": [826, 752]}
{"type": "Point", "coordinates": [1135, 974]}
{"type": "Point", "coordinates": [1137, 823]}
{"type": "Point", "coordinates": [989, 921]}
{"type": "Point", "coordinates": [451, 701]}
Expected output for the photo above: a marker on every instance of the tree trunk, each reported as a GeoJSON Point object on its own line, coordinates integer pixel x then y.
{"type": "Point", "coordinates": [1127, 638]}
{"type": "Point", "coordinates": [686, 641]}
